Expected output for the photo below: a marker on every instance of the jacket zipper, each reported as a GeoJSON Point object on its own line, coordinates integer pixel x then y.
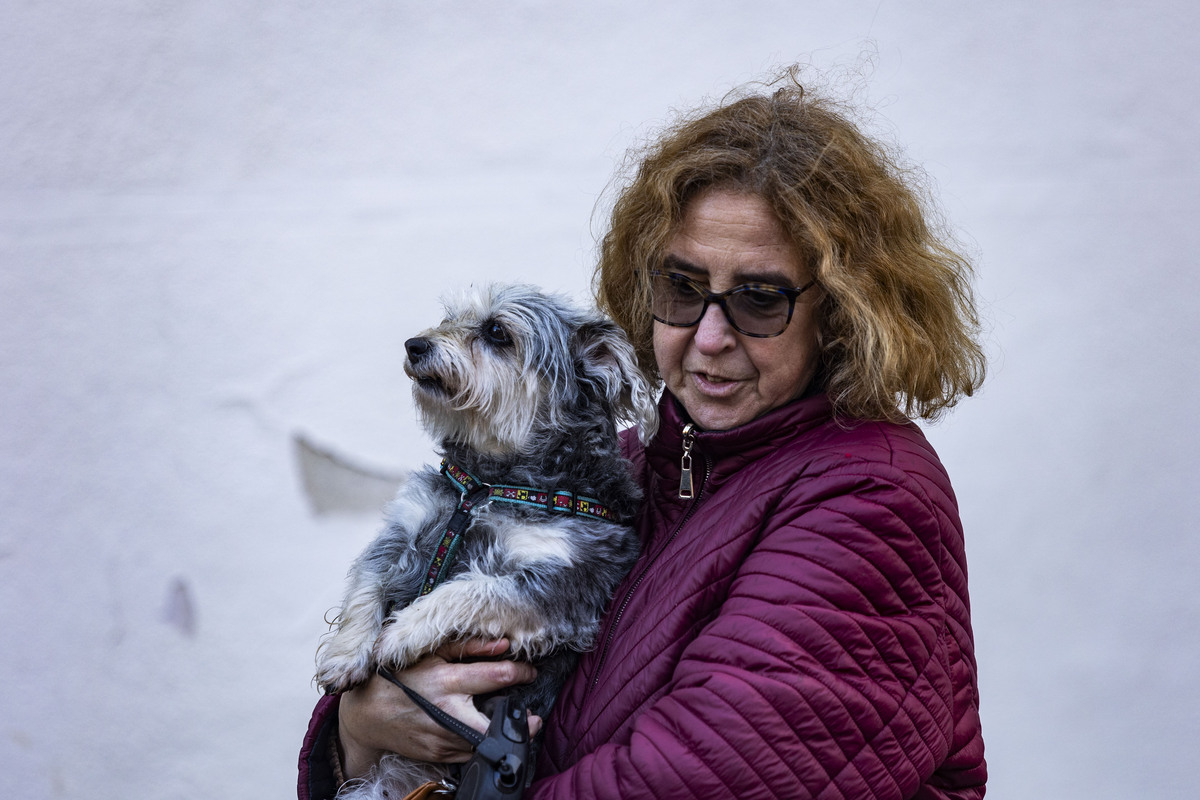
{"type": "Point", "coordinates": [686, 490]}
{"type": "Point", "coordinates": [689, 440]}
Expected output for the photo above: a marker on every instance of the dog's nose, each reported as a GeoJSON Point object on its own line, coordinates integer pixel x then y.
{"type": "Point", "coordinates": [417, 348]}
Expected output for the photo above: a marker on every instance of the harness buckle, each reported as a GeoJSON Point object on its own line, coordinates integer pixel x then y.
{"type": "Point", "coordinates": [552, 505]}
{"type": "Point", "coordinates": [478, 493]}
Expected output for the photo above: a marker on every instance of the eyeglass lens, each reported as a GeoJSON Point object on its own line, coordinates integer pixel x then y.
{"type": "Point", "coordinates": [755, 310]}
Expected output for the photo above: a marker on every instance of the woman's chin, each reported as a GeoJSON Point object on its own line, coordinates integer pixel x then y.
{"type": "Point", "coordinates": [720, 412]}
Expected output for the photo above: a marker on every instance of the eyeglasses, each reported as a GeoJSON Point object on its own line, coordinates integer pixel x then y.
{"type": "Point", "coordinates": [760, 310]}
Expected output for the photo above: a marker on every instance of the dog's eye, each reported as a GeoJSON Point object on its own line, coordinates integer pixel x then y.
{"type": "Point", "coordinates": [495, 333]}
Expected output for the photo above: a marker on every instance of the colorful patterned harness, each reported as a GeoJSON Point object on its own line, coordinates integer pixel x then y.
{"type": "Point", "coordinates": [475, 492]}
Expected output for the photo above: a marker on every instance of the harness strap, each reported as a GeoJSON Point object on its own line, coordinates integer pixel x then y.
{"type": "Point", "coordinates": [443, 557]}
{"type": "Point", "coordinates": [475, 492]}
{"type": "Point", "coordinates": [559, 500]}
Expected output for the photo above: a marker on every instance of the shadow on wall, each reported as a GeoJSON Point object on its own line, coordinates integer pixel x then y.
{"type": "Point", "coordinates": [336, 484]}
{"type": "Point", "coordinates": [179, 611]}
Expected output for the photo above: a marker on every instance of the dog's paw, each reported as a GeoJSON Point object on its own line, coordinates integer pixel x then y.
{"type": "Point", "coordinates": [341, 666]}
{"type": "Point", "coordinates": [334, 678]}
{"type": "Point", "coordinates": [400, 644]}
{"type": "Point", "coordinates": [391, 649]}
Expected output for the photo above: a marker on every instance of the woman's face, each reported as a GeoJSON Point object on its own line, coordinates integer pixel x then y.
{"type": "Point", "coordinates": [724, 378]}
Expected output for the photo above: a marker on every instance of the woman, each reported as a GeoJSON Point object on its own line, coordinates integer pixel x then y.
{"type": "Point", "coordinates": [798, 623]}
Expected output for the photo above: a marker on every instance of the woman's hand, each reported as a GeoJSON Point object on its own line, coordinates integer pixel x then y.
{"type": "Point", "coordinates": [377, 717]}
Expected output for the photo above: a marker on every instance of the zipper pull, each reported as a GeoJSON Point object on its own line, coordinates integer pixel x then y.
{"type": "Point", "coordinates": [686, 491]}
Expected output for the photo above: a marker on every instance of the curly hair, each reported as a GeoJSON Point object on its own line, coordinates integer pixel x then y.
{"type": "Point", "coordinates": [897, 320]}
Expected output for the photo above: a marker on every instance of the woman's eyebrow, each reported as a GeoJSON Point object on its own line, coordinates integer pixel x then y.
{"type": "Point", "coordinates": [673, 262]}
{"type": "Point", "coordinates": [766, 275]}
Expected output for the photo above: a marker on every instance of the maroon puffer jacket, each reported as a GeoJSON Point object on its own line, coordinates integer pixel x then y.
{"type": "Point", "coordinates": [800, 629]}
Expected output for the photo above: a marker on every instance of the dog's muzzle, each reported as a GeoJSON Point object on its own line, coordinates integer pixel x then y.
{"type": "Point", "coordinates": [417, 348]}
{"type": "Point", "coordinates": [416, 366]}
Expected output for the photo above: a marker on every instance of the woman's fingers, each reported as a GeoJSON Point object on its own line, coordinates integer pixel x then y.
{"type": "Point", "coordinates": [473, 648]}
{"type": "Point", "coordinates": [378, 717]}
{"type": "Point", "coordinates": [485, 677]}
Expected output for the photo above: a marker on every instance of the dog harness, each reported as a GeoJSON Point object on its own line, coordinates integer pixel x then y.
{"type": "Point", "coordinates": [475, 492]}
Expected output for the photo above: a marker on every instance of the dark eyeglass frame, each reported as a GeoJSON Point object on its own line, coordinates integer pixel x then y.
{"type": "Point", "coordinates": [720, 297]}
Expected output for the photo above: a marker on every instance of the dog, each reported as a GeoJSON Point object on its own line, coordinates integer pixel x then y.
{"type": "Point", "coordinates": [525, 393]}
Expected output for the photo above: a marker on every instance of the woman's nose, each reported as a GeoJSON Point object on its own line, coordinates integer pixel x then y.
{"type": "Point", "coordinates": [713, 331]}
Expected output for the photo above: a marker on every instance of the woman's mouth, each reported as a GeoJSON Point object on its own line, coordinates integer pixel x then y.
{"type": "Point", "coordinates": [714, 385]}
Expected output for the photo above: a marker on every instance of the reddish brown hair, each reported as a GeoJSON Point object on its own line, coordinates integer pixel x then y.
{"type": "Point", "coordinates": [897, 319]}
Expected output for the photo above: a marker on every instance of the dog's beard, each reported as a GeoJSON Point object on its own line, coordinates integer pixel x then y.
{"type": "Point", "coordinates": [494, 412]}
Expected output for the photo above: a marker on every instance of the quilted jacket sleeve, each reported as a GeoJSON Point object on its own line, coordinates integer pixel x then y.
{"type": "Point", "coordinates": [316, 779]}
{"type": "Point", "coordinates": [830, 668]}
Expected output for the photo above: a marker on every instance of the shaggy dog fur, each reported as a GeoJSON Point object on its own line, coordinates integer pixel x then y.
{"type": "Point", "coordinates": [523, 389]}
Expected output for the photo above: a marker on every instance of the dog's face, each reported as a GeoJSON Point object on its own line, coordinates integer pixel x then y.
{"type": "Point", "coordinates": [509, 362]}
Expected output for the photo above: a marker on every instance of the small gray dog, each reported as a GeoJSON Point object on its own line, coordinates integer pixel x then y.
{"type": "Point", "coordinates": [524, 532]}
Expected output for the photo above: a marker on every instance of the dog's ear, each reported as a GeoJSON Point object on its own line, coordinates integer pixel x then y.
{"type": "Point", "coordinates": [608, 364]}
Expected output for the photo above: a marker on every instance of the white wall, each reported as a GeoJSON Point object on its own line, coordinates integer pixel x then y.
{"type": "Point", "coordinates": [220, 220]}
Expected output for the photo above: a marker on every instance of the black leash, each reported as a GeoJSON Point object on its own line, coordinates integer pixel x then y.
{"type": "Point", "coordinates": [448, 722]}
{"type": "Point", "coordinates": [500, 767]}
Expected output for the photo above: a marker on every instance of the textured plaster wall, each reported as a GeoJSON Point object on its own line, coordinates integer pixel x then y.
{"type": "Point", "coordinates": [220, 220]}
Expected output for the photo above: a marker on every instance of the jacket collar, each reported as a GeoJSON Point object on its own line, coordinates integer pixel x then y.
{"type": "Point", "coordinates": [726, 452]}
